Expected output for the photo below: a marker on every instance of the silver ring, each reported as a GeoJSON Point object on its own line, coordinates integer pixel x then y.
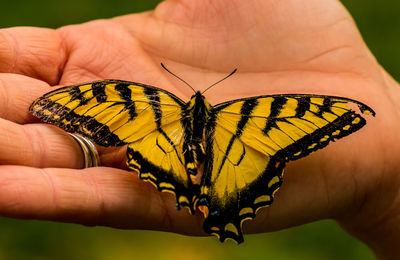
{"type": "Point", "coordinates": [90, 155]}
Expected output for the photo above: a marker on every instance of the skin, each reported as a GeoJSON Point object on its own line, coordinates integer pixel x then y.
{"type": "Point", "coordinates": [277, 46]}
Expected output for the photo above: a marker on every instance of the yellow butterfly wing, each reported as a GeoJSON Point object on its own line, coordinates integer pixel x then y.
{"type": "Point", "coordinates": [248, 142]}
{"type": "Point", "coordinates": [115, 113]}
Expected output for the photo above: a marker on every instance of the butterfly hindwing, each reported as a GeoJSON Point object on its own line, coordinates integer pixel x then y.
{"type": "Point", "coordinates": [250, 140]}
{"type": "Point", "coordinates": [115, 113]}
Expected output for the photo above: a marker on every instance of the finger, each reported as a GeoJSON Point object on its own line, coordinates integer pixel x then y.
{"type": "Point", "coordinates": [35, 52]}
{"type": "Point", "coordinates": [43, 145]}
{"type": "Point", "coordinates": [38, 145]}
{"type": "Point", "coordinates": [92, 196]}
{"type": "Point", "coordinates": [17, 92]}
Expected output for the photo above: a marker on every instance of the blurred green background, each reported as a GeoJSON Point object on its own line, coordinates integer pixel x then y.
{"type": "Point", "coordinates": [380, 26]}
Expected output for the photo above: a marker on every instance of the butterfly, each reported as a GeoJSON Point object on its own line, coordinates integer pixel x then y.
{"type": "Point", "coordinates": [226, 160]}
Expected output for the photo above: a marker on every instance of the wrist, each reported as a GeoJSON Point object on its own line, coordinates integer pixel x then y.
{"type": "Point", "coordinates": [382, 237]}
{"type": "Point", "coordinates": [376, 219]}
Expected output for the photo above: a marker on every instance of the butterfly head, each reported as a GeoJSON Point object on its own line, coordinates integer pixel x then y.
{"type": "Point", "coordinates": [197, 96]}
{"type": "Point", "coordinates": [198, 103]}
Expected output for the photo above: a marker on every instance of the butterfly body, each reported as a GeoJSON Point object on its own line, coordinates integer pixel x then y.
{"type": "Point", "coordinates": [227, 160]}
{"type": "Point", "coordinates": [195, 116]}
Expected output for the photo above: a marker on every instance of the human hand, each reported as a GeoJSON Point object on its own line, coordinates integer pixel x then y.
{"type": "Point", "coordinates": [288, 47]}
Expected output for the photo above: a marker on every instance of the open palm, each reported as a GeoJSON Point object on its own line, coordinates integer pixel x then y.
{"type": "Point", "coordinates": [278, 47]}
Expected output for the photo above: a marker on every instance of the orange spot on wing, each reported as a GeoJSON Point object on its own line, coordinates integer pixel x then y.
{"type": "Point", "coordinates": [204, 210]}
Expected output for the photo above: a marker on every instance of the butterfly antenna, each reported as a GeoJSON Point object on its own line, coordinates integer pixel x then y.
{"type": "Point", "coordinates": [219, 81]}
{"type": "Point", "coordinates": [162, 65]}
